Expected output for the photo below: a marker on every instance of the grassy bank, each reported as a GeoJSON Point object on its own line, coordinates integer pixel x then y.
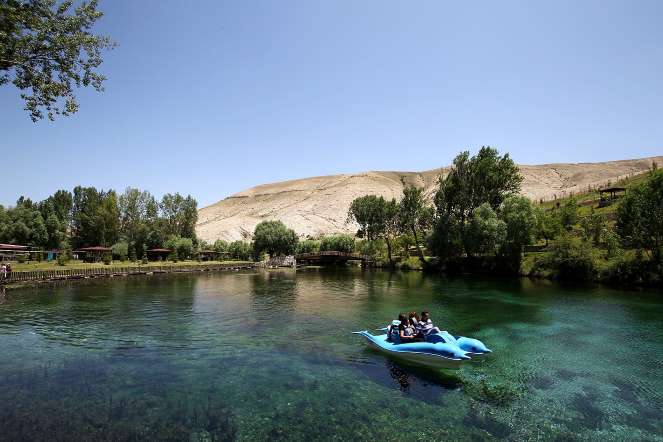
{"type": "Point", "coordinates": [79, 265]}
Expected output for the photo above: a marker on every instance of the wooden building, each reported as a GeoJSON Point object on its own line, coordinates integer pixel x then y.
{"type": "Point", "coordinates": [158, 254]}
{"type": "Point", "coordinates": [610, 194]}
{"type": "Point", "coordinates": [10, 252]}
{"type": "Point", "coordinates": [93, 254]}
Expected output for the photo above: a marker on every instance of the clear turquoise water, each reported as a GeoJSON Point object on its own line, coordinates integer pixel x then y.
{"type": "Point", "coordinates": [270, 356]}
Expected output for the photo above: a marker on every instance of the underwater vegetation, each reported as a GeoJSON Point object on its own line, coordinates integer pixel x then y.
{"type": "Point", "coordinates": [89, 409]}
{"type": "Point", "coordinates": [269, 356]}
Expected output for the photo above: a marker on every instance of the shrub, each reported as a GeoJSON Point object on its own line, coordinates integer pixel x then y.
{"type": "Point", "coordinates": [132, 254]}
{"type": "Point", "coordinates": [375, 248]}
{"type": "Point", "coordinates": [240, 250]}
{"type": "Point", "coordinates": [63, 259]}
{"type": "Point", "coordinates": [338, 243]}
{"type": "Point", "coordinates": [308, 246]}
{"type": "Point", "coordinates": [411, 263]}
{"type": "Point", "coordinates": [631, 268]}
{"type": "Point", "coordinates": [65, 253]}
{"type": "Point", "coordinates": [640, 216]}
{"type": "Point", "coordinates": [107, 258]}
{"type": "Point", "coordinates": [120, 250]}
{"type": "Point", "coordinates": [182, 246]}
{"type": "Point", "coordinates": [569, 258]}
{"type": "Point", "coordinates": [568, 213]}
{"type": "Point", "coordinates": [220, 246]}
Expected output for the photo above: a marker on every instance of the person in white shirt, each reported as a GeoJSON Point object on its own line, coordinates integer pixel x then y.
{"type": "Point", "coordinates": [425, 325]}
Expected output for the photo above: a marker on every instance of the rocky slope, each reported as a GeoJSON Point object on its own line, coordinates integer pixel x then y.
{"type": "Point", "coordinates": [317, 206]}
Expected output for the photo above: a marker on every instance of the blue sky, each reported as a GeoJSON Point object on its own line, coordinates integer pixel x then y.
{"type": "Point", "coordinates": [212, 97]}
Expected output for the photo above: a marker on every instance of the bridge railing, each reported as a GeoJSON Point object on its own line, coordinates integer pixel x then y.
{"type": "Point", "coordinates": [331, 254]}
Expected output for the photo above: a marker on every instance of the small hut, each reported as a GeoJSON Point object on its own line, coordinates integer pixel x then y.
{"type": "Point", "coordinates": [158, 254]}
{"type": "Point", "coordinates": [208, 255]}
{"type": "Point", "coordinates": [93, 254]}
{"type": "Point", "coordinates": [610, 194]}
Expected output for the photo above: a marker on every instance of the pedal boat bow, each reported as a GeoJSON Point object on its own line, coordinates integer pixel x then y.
{"type": "Point", "coordinates": [432, 355]}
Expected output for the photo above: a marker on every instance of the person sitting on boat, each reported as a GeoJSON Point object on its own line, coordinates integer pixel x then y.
{"type": "Point", "coordinates": [393, 332]}
{"type": "Point", "coordinates": [414, 319]}
{"type": "Point", "coordinates": [414, 322]}
{"type": "Point", "coordinates": [406, 332]}
{"type": "Point", "coordinates": [425, 325]}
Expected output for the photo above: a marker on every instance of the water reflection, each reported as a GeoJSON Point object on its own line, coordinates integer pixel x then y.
{"type": "Point", "coordinates": [268, 355]}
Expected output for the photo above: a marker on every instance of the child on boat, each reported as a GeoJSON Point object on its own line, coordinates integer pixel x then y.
{"type": "Point", "coordinates": [400, 331]}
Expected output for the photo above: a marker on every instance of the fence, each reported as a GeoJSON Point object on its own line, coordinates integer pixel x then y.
{"type": "Point", "coordinates": [46, 275]}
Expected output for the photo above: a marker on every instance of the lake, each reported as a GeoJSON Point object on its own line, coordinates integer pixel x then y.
{"type": "Point", "coordinates": [269, 355]}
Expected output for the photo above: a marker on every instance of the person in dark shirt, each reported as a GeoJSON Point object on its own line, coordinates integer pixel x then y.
{"type": "Point", "coordinates": [406, 332]}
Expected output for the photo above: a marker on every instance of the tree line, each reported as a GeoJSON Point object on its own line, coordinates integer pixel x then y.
{"type": "Point", "coordinates": [131, 222]}
{"type": "Point", "coordinates": [477, 220]}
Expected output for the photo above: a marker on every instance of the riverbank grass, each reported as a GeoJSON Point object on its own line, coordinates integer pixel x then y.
{"type": "Point", "coordinates": [78, 265]}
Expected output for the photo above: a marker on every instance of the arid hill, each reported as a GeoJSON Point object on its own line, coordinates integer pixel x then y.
{"type": "Point", "coordinates": [319, 205]}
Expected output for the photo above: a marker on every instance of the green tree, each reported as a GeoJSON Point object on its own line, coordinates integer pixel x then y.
{"type": "Point", "coordinates": [220, 246]}
{"type": "Point", "coordinates": [46, 48]}
{"type": "Point", "coordinates": [369, 212]}
{"type": "Point", "coordinates": [415, 216]}
{"type": "Point", "coordinates": [121, 250]}
{"type": "Point", "coordinates": [486, 177]}
{"type": "Point", "coordinates": [518, 215]}
{"type": "Point", "coordinates": [240, 250]}
{"type": "Point", "coordinates": [548, 225]}
{"type": "Point", "coordinates": [640, 217]}
{"type": "Point", "coordinates": [568, 213]}
{"type": "Point", "coordinates": [593, 226]}
{"type": "Point", "coordinates": [23, 224]}
{"type": "Point", "coordinates": [138, 216]}
{"type": "Point", "coordinates": [337, 243]}
{"type": "Point", "coordinates": [274, 238]}
{"type": "Point", "coordinates": [182, 247]}
{"type": "Point", "coordinates": [95, 219]}
{"type": "Point", "coordinates": [180, 215]}
{"type": "Point", "coordinates": [392, 226]}
{"type": "Point", "coordinates": [65, 253]}
{"type": "Point", "coordinates": [377, 218]}
{"type": "Point", "coordinates": [308, 246]}
{"type": "Point", "coordinates": [569, 258]}
{"type": "Point", "coordinates": [486, 232]}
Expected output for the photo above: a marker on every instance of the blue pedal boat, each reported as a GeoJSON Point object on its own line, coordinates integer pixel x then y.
{"type": "Point", "coordinates": [473, 347]}
{"type": "Point", "coordinates": [428, 354]}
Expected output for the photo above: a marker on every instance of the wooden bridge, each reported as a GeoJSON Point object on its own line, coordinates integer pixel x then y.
{"type": "Point", "coordinates": [331, 257]}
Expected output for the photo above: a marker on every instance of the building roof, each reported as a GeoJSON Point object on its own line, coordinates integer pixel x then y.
{"type": "Point", "coordinates": [159, 250]}
{"type": "Point", "coordinates": [94, 249]}
{"type": "Point", "coordinates": [613, 189]}
{"type": "Point", "coordinates": [12, 247]}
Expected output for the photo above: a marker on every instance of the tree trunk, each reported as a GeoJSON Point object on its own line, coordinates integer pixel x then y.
{"type": "Point", "coordinates": [416, 243]}
{"type": "Point", "coordinates": [391, 261]}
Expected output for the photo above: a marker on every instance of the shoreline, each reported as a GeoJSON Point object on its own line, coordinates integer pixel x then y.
{"type": "Point", "coordinates": [34, 278]}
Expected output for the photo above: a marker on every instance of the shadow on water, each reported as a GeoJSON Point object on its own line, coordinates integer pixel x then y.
{"type": "Point", "coordinates": [414, 382]}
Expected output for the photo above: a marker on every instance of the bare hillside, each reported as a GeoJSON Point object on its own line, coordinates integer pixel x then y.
{"type": "Point", "coordinates": [319, 205]}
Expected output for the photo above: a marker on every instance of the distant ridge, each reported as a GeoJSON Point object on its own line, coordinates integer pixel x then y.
{"type": "Point", "coordinates": [319, 205]}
